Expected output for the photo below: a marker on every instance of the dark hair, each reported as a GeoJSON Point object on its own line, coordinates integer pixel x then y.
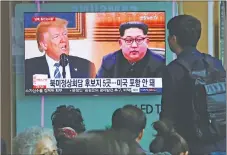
{"type": "Point", "coordinates": [129, 118]}
{"type": "Point", "coordinates": [68, 116]}
{"type": "Point", "coordinates": [128, 25]}
{"type": "Point", "coordinates": [167, 139]}
{"type": "Point", "coordinates": [100, 143]}
{"type": "Point", "coordinates": [186, 28]}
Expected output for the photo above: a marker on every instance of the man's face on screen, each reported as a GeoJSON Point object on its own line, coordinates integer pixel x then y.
{"type": "Point", "coordinates": [57, 42]}
{"type": "Point", "coordinates": [134, 44]}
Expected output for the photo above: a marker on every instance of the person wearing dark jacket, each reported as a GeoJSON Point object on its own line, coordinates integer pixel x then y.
{"type": "Point", "coordinates": [130, 122]}
{"type": "Point", "coordinates": [134, 59]}
{"type": "Point", "coordinates": [184, 34]}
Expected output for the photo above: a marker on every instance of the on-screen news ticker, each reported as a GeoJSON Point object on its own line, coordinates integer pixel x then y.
{"type": "Point", "coordinates": [43, 85]}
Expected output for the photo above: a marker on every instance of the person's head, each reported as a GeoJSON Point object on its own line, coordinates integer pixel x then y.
{"type": "Point", "coordinates": [184, 31]}
{"type": "Point", "coordinates": [52, 37]}
{"type": "Point", "coordinates": [134, 40]}
{"type": "Point", "coordinates": [168, 140]}
{"type": "Point", "coordinates": [35, 140]}
{"type": "Point", "coordinates": [67, 120]}
{"type": "Point", "coordinates": [100, 143]}
{"type": "Point", "coordinates": [131, 119]}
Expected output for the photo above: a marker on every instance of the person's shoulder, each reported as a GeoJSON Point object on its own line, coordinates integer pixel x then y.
{"type": "Point", "coordinates": [79, 60]}
{"type": "Point", "coordinates": [110, 59]}
{"type": "Point", "coordinates": [173, 64]}
{"type": "Point", "coordinates": [35, 60]}
{"type": "Point", "coordinates": [215, 61]}
{"type": "Point", "coordinates": [111, 56]}
{"type": "Point", "coordinates": [175, 69]}
{"type": "Point", "coordinates": [156, 57]}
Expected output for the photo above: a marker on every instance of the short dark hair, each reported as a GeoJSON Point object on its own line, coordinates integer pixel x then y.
{"type": "Point", "coordinates": [167, 139]}
{"type": "Point", "coordinates": [68, 116]}
{"type": "Point", "coordinates": [130, 118]}
{"type": "Point", "coordinates": [186, 28]}
{"type": "Point", "coordinates": [128, 25]}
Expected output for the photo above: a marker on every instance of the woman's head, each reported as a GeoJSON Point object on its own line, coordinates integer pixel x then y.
{"type": "Point", "coordinates": [35, 140]}
{"type": "Point", "coordinates": [168, 140]}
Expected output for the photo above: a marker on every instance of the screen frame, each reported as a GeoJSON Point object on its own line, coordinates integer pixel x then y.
{"type": "Point", "coordinates": [154, 7]}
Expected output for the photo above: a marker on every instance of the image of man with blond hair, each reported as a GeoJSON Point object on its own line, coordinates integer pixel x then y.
{"type": "Point", "coordinates": [52, 38]}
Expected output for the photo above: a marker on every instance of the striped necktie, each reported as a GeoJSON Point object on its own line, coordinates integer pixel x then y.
{"type": "Point", "coordinates": [57, 73]}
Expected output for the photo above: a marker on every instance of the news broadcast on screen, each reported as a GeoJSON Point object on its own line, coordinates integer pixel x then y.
{"type": "Point", "coordinates": [109, 53]}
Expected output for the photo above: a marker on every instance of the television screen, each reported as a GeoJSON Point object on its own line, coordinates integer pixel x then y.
{"type": "Point", "coordinates": [111, 53]}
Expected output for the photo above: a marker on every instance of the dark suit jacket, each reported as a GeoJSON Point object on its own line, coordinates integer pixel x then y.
{"type": "Point", "coordinates": [38, 65]}
{"type": "Point", "coordinates": [111, 67]}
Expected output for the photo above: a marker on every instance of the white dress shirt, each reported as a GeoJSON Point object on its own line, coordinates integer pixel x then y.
{"type": "Point", "coordinates": [52, 68]}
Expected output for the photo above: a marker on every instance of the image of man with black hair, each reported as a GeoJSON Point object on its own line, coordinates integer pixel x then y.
{"type": "Point", "coordinates": [134, 59]}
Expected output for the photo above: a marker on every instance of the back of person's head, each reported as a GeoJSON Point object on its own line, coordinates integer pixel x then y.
{"type": "Point", "coordinates": [128, 25]}
{"type": "Point", "coordinates": [167, 140]}
{"type": "Point", "coordinates": [186, 28]}
{"type": "Point", "coordinates": [100, 143]}
{"type": "Point", "coordinates": [67, 122]}
{"type": "Point", "coordinates": [68, 116]}
{"type": "Point", "coordinates": [131, 119]}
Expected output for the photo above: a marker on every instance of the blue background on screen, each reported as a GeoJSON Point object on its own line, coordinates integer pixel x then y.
{"type": "Point", "coordinates": [96, 110]}
{"type": "Point", "coordinates": [69, 16]}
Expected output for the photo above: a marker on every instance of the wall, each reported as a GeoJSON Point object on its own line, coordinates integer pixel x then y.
{"type": "Point", "coordinates": [7, 122]}
{"type": "Point", "coordinates": [199, 9]}
{"type": "Point", "coordinates": [96, 110]}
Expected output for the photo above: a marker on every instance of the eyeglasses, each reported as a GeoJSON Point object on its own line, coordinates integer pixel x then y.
{"type": "Point", "coordinates": [54, 152]}
{"type": "Point", "coordinates": [138, 40]}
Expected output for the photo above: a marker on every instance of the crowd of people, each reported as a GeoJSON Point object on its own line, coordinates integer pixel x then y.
{"type": "Point", "coordinates": [192, 118]}
{"type": "Point", "coordinates": [70, 137]}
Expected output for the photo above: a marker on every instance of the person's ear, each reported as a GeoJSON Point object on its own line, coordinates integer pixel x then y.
{"type": "Point", "coordinates": [140, 136]}
{"type": "Point", "coordinates": [120, 42]}
{"type": "Point", "coordinates": [147, 40]}
{"type": "Point", "coordinates": [174, 39]}
{"type": "Point", "coordinates": [43, 45]}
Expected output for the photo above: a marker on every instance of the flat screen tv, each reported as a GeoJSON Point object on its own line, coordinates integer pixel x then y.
{"type": "Point", "coordinates": [104, 53]}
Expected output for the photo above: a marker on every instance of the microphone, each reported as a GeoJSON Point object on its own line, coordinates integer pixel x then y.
{"type": "Point", "coordinates": [64, 62]}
